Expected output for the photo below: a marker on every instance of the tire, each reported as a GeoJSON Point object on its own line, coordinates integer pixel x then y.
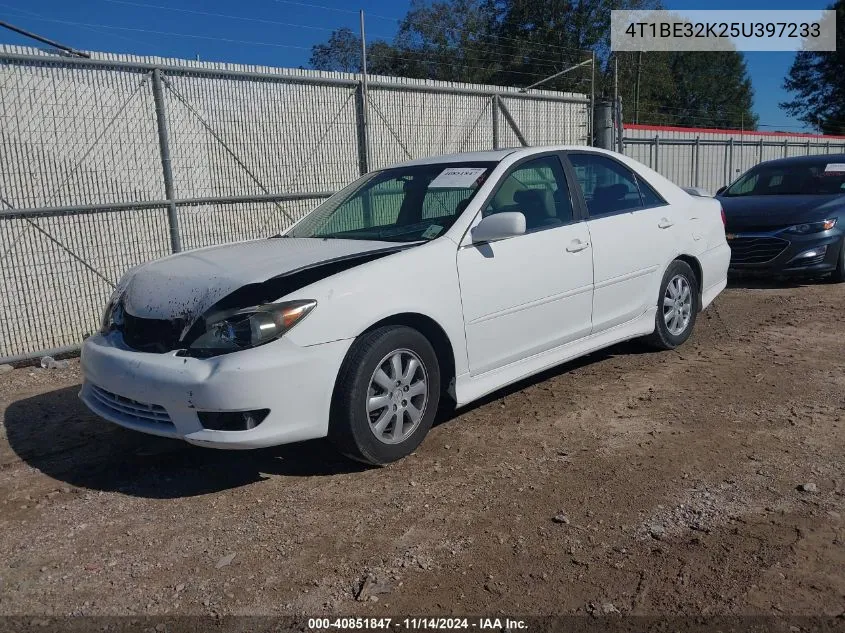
{"type": "Point", "coordinates": [366, 406]}
{"type": "Point", "coordinates": [838, 275]}
{"type": "Point", "coordinates": [682, 314]}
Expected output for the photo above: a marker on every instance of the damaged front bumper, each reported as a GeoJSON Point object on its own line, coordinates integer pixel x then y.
{"type": "Point", "coordinates": [164, 394]}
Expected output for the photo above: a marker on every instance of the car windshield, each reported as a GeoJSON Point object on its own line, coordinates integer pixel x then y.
{"type": "Point", "coordinates": [825, 178]}
{"type": "Point", "coordinates": [404, 204]}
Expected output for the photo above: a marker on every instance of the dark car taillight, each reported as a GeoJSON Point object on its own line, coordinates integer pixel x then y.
{"type": "Point", "coordinates": [724, 218]}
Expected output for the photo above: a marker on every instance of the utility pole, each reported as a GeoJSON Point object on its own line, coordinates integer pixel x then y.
{"type": "Point", "coordinates": [592, 97]}
{"type": "Point", "coordinates": [616, 114]}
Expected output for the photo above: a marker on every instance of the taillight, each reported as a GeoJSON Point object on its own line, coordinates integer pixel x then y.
{"type": "Point", "coordinates": [724, 219]}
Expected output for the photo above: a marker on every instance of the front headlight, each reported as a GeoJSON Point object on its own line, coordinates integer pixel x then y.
{"type": "Point", "coordinates": [250, 327]}
{"type": "Point", "coordinates": [812, 227]}
{"type": "Point", "coordinates": [112, 316]}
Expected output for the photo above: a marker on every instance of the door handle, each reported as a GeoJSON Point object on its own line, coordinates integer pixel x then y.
{"type": "Point", "coordinates": [665, 223]}
{"type": "Point", "coordinates": [576, 246]}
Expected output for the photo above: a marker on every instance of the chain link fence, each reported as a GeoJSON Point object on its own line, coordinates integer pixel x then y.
{"type": "Point", "coordinates": [710, 159]}
{"type": "Point", "coordinates": [108, 162]}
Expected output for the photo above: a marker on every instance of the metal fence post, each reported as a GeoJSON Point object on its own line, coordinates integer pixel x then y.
{"type": "Point", "coordinates": [656, 152]}
{"type": "Point", "coordinates": [361, 129]}
{"type": "Point", "coordinates": [166, 168]}
{"type": "Point", "coordinates": [730, 160]}
{"type": "Point", "coordinates": [494, 106]}
{"type": "Point", "coordinates": [620, 141]}
{"type": "Point", "coordinates": [697, 160]}
{"type": "Point", "coordinates": [363, 101]}
{"type": "Point", "coordinates": [761, 151]}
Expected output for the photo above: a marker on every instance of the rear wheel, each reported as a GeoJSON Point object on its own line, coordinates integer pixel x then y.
{"type": "Point", "coordinates": [677, 307]}
{"type": "Point", "coordinates": [386, 396]}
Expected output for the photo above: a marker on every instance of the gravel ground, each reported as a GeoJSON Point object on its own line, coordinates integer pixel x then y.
{"type": "Point", "coordinates": [709, 480]}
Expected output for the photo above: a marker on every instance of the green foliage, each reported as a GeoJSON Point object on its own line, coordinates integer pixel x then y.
{"type": "Point", "coordinates": [687, 89]}
{"type": "Point", "coordinates": [520, 42]}
{"type": "Point", "coordinates": [341, 53]}
{"type": "Point", "coordinates": [817, 81]}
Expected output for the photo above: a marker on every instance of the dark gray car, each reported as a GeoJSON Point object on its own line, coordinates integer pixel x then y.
{"type": "Point", "coordinates": [787, 217]}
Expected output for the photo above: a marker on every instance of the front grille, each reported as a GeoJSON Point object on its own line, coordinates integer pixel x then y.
{"type": "Point", "coordinates": [737, 227]}
{"type": "Point", "coordinates": [151, 335]}
{"type": "Point", "coordinates": [756, 250]}
{"type": "Point", "coordinates": [132, 410]}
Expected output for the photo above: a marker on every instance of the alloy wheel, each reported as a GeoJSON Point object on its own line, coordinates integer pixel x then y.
{"type": "Point", "coordinates": [677, 305]}
{"type": "Point", "coordinates": [397, 396]}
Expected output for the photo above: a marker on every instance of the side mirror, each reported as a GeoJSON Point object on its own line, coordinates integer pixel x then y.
{"type": "Point", "coordinates": [720, 191]}
{"type": "Point", "coordinates": [498, 227]}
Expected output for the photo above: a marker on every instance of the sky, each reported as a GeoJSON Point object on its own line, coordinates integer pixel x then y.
{"type": "Point", "coordinates": [281, 32]}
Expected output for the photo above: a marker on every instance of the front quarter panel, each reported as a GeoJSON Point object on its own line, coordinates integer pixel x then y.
{"type": "Point", "coordinates": [421, 280]}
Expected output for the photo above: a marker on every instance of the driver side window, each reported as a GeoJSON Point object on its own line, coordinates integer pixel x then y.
{"type": "Point", "coordinates": [538, 190]}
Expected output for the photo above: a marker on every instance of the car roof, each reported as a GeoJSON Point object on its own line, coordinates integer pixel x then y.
{"type": "Point", "coordinates": [803, 160]}
{"type": "Point", "coordinates": [495, 155]}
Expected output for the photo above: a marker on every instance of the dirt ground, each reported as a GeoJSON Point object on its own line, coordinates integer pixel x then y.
{"type": "Point", "coordinates": [629, 481]}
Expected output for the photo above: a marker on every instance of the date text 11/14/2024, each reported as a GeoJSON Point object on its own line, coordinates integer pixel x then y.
{"type": "Point", "coordinates": [416, 624]}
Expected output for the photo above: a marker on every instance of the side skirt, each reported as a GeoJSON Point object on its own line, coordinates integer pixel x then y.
{"type": "Point", "coordinates": [469, 388]}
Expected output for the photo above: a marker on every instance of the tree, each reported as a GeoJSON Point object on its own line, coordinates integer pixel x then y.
{"type": "Point", "coordinates": [817, 80]}
{"type": "Point", "coordinates": [520, 42]}
{"type": "Point", "coordinates": [450, 40]}
{"type": "Point", "coordinates": [688, 89]}
{"type": "Point", "coordinates": [341, 53]}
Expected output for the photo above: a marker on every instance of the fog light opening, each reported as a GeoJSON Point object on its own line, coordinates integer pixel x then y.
{"type": "Point", "coordinates": [232, 420]}
{"type": "Point", "coordinates": [819, 251]}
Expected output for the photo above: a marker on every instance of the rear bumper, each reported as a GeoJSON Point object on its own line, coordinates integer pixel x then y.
{"type": "Point", "coordinates": [801, 256]}
{"type": "Point", "coordinates": [160, 394]}
{"type": "Point", "coordinates": [714, 266]}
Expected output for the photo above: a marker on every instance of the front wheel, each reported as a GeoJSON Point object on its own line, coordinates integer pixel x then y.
{"type": "Point", "coordinates": [386, 396]}
{"type": "Point", "coordinates": [677, 307]}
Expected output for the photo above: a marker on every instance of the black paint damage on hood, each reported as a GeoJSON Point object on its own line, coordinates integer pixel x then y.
{"type": "Point", "coordinates": [165, 335]}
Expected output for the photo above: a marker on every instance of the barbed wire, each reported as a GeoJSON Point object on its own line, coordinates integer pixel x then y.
{"type": "Point", "coordinates": [453, 30]}
{"type": "Point", "coordinates": [499, 55]}
{"type": "Point", "coordinates": [169, 33]}
{"type": "Point", "coordinates": [227, 16]}
{"type": "Point", "coordinates": [26, 13]}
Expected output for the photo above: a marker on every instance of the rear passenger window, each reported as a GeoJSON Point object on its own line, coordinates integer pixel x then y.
{"type": "Point", "coordinates": [608, 187]}
{"type": "Point", "coordinates": [649, 196]}
{"type": "Point", "coordinates": [538, 190]}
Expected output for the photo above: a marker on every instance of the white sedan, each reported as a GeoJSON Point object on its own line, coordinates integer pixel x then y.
{"type": "Point", "coordinates": [443, 277]}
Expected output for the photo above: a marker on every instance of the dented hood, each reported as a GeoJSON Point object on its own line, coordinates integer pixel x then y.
{"type": "Point", "coordinates": [185, 285]}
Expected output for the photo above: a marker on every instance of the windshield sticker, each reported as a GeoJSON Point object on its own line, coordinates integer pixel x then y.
{"type": "Point", "coordinates": [835, 167]}
{"type": "Point", "coordinates": [431, 232]}
{"type": "Point", "coordinates": [457, 178]}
